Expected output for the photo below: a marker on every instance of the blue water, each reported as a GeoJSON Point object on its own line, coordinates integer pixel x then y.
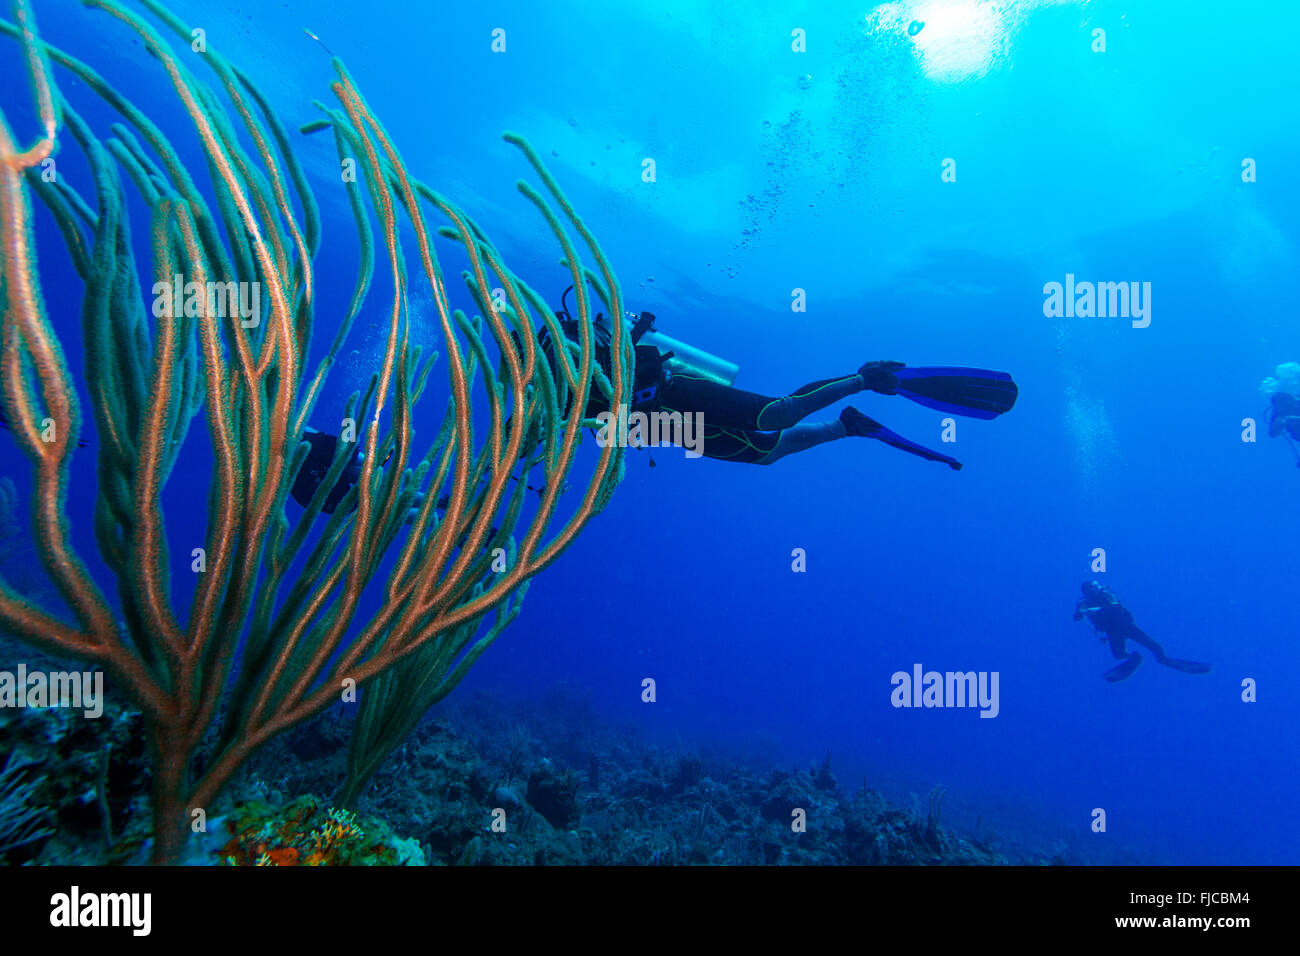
{"type": "Point", "coordinates": [821, 171]}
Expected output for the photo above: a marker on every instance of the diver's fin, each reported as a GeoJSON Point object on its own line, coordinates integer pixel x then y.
{"type": "Point", "coordinates": [864, 426]}
{"type": "Point", "coordinates": [1124, 669]}
{"type": "Point", "coordinates": [973, 392]}
{"type": "Point", "coordinates": [1187, 667]}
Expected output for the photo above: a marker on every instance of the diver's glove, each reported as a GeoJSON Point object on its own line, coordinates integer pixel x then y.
{"type": "Point", "coordinates": [880, 377]}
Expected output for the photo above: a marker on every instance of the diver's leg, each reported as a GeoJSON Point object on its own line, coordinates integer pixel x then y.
{"type": "Point", "coordinates": [802, 402]}
{"type": "Point", "coordinates": [793, 408]}
{"type": "Point", "coordinates": [727, 407]}
{"type": "Point", "coordinates": [752, 447]}
{"type": "Point", "coordinates": [1131, 659]}
{"type": "Point", "coordinates": [734, 444]}
{"type": "Point", "coordinates": [805, 435]}
{"type": "Point", "coordinates": [761, 447]}
{"type": "Point", "coordinates": [802, 437]}
{"type": "Point", "coordinates": [1138, 636]}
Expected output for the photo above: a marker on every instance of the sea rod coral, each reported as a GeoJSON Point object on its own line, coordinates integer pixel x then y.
{"type": "Point", "coordinates": [275, 630]}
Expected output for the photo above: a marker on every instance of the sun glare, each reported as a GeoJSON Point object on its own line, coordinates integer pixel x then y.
{"type": "Point", "coordinates": [953, 40]}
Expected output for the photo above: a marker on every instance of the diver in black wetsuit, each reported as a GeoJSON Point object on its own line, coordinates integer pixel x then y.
{"type": "Point", "coordinates": [737, 425]}
{"type": "Point", "coordinates": [759, 429]}
{"type": "Point", "coordinates": [1114, 622]}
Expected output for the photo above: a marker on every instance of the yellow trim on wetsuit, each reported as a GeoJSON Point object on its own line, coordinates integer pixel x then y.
{"type": "Point", "coordinates": [739, 435]}
{"type": "Point", "coordinates": [758, 419]}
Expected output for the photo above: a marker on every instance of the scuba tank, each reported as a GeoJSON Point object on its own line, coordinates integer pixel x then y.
{"type": "Point", "coordinates": [684, 359]}
{"type": "Point", "coordinates": [675, 356]}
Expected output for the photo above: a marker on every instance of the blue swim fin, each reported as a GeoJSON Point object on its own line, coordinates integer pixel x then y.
{"type": "Point", "coordinates": [973, 392]}
{"type": "Point", "coordinates": [864, 426]}
{"type": "Point", "coordinates": [1124, 669]}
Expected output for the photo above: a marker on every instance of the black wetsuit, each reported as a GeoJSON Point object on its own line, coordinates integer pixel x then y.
{"type": "Point", "coordinates": [739, 426]}
{"type": "Point", "coordinates": [1115, 623]}
{"type": "Point", "coordinates": [746, 426]}
{"type": "Point", "coordinates": [316, 466]}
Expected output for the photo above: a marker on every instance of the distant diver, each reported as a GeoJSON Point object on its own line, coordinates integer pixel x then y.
{"type": "Point", "coordinates": [1114, 622]}
{"type": "Point", "coordinates": [1282, 389]}
{"type": "Point", "coordinates": [314, 469]}
{"type": "Point", "coordinates": [317, 464]}
{"type": "Point", "coordinates": [746, 427]}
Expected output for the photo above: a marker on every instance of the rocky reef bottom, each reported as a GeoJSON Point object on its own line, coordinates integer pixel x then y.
{"type": "Point", "coordinates": [482, 781]}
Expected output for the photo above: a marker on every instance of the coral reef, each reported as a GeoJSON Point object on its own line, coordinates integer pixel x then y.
{"type": "Point", "coordinates": [21, 820]}
{"type": "Point", "coordinates": [554, 794]}
{"type": "Point", "coordinates": [91, 777]}
{"type": "Point", "coordinates": [488, 783]}
{"type": "Point", "coordinates": [306, 833]}
{"type": "Point", "coordinates": [274, 631]}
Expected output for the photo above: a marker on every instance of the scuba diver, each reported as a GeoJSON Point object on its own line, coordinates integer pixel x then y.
{"type": "Point", "coordinates": [1284, 420]}
{"type": "Point", "coordinates": [317, 466]}
{"type": "Point", "coordinates": [1114, 622]}
{"type": "Point", "coordinates": [1282, 389]}
{"type": "Point", "coordinates": [318, 462]}
{"type": "Point", "coordinates": [741, 426]}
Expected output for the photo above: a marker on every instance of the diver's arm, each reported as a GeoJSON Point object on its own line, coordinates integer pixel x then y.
{"type": "Point", "coordinates": [1080, 609]}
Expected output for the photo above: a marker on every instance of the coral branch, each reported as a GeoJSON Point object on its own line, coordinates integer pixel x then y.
{"type": "Point", "coordinates": [276, 626]}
